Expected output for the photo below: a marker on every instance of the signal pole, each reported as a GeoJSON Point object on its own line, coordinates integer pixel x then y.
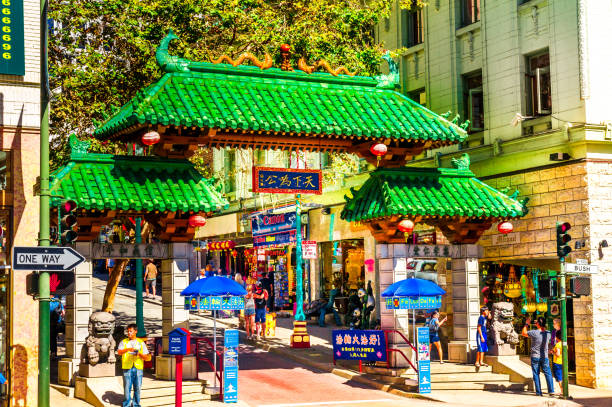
{"type": "Point", "coordinates": [563, 250]}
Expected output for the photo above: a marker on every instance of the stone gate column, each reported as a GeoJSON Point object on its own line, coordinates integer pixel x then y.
{"type": "Point", "coordinates": [78, 309]}
{"type": "Point", "coordinates": [466, 304]}
{"type": "Point", "coordinates": [175, 277]}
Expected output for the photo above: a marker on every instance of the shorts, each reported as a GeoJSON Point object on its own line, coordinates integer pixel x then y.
{"type": "Point", "coordinates": [260, 315]}
{"type": "Point", "coordinates": [557, 371]}
{"type": "Point", "coordinates": [483, 347]}
{"type": "Point", "coordinates": [150, 283]}
{"type": "Point", "coordinates": [249, 311]}
{"type": "Point", "coordinates": [433, 337]}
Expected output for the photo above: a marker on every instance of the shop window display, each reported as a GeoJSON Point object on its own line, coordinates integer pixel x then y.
{"type": "Point", "coordinates": [342, 266]}
{"type": "Point", "coordinates": [519, 286]}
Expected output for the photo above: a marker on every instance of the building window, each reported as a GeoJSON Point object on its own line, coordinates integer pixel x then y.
{"type": "Point", "coordinates": [470, 11]}
{"type": "Point", "coordinates": [474, 101]}
{"type": "Point", "coordinates": [419, 96]}
{"type": "Point", "coordinates": [412, 28]}
{"type": "Point", "coordinates": [539, 100]}
{"type": "Point", "coordinates": [230, 170]}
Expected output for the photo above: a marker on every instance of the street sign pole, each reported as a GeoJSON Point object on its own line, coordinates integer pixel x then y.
{"type": "Point", "coordinates": [44, 312]}
{"type": "Point", "coordinates": [142, 333]}
{"type": "Point", "coordinates": [563, 301]}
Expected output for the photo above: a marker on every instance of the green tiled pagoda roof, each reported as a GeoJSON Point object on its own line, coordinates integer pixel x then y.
{"type": "Point", "coordinates": [246, 98]}
{"type": "Point", "coordinates": [107, 182]}
{"type": "Point", "coordinates": [432, 192]}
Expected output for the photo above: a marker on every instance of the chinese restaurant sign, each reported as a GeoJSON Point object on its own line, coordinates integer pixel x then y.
{"type": "Point", "coordinates": [130, 251]}
{"type": "Point", "coordinates": [359, 345]}
{"type": "Point", "coordinates": [413, 303]}
{"type": "Point", "coordinates": [214, 303]}
{"type": "Point", "coordinates": [287, 180]}
{"type": "Point", "coordinates": [12, 55]}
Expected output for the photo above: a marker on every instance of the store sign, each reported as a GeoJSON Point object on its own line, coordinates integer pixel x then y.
{"type": "Point", "coordinates": [424, 359]}
{"type": "Point", "coordinates": [510, 238]}
{"type": "Point", "coordinates": [12, 55]}
{"type": "Point", "coordinates": [214, 303]}
{"type": "Point", "coordinates": [287, 180]}
{"type": "Point", "coordinates": [359, 345]}
{"type": "Point", "coordinates": [265, 224]}
{"type": "Point", "coordinates": [309, 249]}
{"type": "Point", "coordinates": [282, 239]}
{"type": "Point", "coordinates": [129, 251]}
{"type": "Point", "coordinates": [433, 251]}
{"type": "Point", "coordinates": [230, 366]}
{"type": "Point", "coordinates": [413, 303]}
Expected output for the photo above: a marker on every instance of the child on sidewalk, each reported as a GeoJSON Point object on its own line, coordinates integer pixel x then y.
{"type": "Point", "coordinates": [481, 338]}
{"type": "Point", "coordinates": [557, 363]}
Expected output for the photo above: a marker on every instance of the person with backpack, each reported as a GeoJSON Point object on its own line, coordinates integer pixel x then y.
{"type": "Point", "coordinates": [434, 338]}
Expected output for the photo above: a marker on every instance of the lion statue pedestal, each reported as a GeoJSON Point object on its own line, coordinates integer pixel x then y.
{"type": "Point", "coordinates": [503, 338]}
{"type": "Point", "coordinates": [98, 354]}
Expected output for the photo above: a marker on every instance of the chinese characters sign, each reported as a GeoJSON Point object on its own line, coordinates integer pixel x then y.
{"type": "Point", "coordinates": [359, 345]}
{"type": "Point", "coordinates": [130, 251]}
{"type": "Point", "coordinates": [214, 303]}
{"type": "Point", "coordinates": [287, 181]}
{"type": "Point", "coordinates": [12, 56]}
{"type": "Point", "coordinates": [413, 303]}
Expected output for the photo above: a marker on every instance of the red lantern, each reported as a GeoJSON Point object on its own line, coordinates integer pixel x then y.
{"type": "Point", "coordinates": [285, 48]}
{"type": "Point", "coordinates": [196, 221]}
{"type": "Point", "coordinates": [505, 227]}
{"type": "Point", "coordinates": [406, 226]}
{"type": "Point", "coordinates": [378, 150]}
{"type": "Point", "coordinates": [150, 138]}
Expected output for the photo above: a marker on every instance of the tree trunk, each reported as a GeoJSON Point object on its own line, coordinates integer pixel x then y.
{"type": "Point", "coordinates": [115, 276]}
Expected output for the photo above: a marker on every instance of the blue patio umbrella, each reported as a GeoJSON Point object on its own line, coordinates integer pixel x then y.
{"type": "Point", "coordinates": [413, 287]}
{"type": "Point", "coordinates": [214, 287]}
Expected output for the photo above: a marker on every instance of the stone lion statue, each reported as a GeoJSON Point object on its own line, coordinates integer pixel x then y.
{"type": "Point", "coordinates": [504, 337]}
{"type": "Point", "coordinates": [100, 344]}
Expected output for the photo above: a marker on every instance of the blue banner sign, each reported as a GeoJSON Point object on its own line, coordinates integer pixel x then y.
{"type": "Point", "coordinates": [214, 303]}
{"type": "Point", "coordinates": [359, 345]}
{"type": "Point", "coordinates": [230, 366]}
{"type": "Point", "coordinates": [287, 180]}
{"type": "Point", "coordinates": [424, 362]}
{"type": "Point", "coordinates": [413, 302]}
{"type": "Point", "coordinates": [265, 224]}
{"type": "Point", "coordinates": [276, 239]}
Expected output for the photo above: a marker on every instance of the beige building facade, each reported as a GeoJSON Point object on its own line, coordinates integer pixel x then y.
{"type": "Point", "coordinates": [19, 206]}
{"type": "Point", "coordinates": [533, 78]}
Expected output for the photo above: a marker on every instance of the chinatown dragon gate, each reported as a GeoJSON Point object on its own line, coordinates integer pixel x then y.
{"type": "Point", "coordinates": [249, 104]}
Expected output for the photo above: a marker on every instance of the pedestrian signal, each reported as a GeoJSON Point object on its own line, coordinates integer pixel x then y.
{"type": "Point", "coordinates": [580, 286]}
{"type": "Point", "coordinates": [548, 288]}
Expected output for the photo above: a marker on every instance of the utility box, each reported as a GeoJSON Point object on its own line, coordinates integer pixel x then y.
{"type": "Point", "coordinates": [178, 341]}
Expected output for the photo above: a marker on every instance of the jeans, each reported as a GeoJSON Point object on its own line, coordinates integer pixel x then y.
{"type": "Point", "coordinates": [324, 311]}
{"type": "Point", "coordinates": [132, 377]}
{"type": "Point", "coordinates": [536, 365]}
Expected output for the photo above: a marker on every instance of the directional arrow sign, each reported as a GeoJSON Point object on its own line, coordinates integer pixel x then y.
{"type": "Point", "coordinates": [46, 258]}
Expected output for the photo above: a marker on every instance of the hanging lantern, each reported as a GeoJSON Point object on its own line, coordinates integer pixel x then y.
{"type": "Point", "coordinates": [378, 150]}
{"type": "Point", "coordinates": [505, 227]}
{"type": "Point", "coordinates": [150, 138]}
{"type": "Point", "coordinates": [406, 226]}
{"type": "Point", "coordinates": [234, 253]}
{"type": "Point", "coordinates": [196, 221]}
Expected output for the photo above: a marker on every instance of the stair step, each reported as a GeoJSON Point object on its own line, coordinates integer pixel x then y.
{"type": "Point", "coordinates": [162, 401]}
{"type": "Point", "coordinates": [159, 384]}
{"type": "Point", "coordinates": [457, 368]}
{"type": "Point", "coordinates": [478, 385]}
{"type": "Point", "coordinates": [169, 391]}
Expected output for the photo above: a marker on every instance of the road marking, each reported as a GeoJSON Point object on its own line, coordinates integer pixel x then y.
{"type": "Point", "coordinates": [325, 403]}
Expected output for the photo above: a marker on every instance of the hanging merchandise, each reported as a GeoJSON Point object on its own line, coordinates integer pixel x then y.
{"type": "Point", "coordinates": [512, 288]}
{"type": "Point", "coordinates": [523, 290]}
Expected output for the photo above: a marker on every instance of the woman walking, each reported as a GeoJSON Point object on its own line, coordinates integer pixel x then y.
{"type": "Point", "coordinates": [434, 338]}
{"type": "Point", "coordinates": [249, 313]}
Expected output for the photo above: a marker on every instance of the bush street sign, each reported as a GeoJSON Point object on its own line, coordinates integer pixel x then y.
{"type": "Point", "coordinates": [46, 258]}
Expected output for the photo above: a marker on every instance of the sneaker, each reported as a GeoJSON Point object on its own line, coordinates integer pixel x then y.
{"type": "Point", "coordinates": [441, 362]}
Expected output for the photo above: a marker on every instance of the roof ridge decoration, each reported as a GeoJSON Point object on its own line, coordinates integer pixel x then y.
{"type": "Point", "coordinates": [392, 79]}
{"type": "Point", "coordinates": [246, 56]}
{"type": "Point", "coordinates": [462, 163]}
{"type": "Point", "coordinates": [303, 66]}
{"type": "Point", "coordinates": [170, 63]}
{"type": "Point", "coordinates": [78, 147]}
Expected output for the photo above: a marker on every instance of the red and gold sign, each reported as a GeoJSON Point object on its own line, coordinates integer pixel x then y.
{"type": "Point", "coordinates": [287, 180]}
{"type": "Point", "coordinates": [223, 245]}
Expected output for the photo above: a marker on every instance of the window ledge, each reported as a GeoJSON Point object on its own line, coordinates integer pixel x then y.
{"type": "Point", "coordinates": [467, 28]}
{"type": "Point", "coordinates": [414, 49]}
{"type": "Point", "coordinates": [536, 121]}
{"type": "Point", "coordinates": [531, 3]}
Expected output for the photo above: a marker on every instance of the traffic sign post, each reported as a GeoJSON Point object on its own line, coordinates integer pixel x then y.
{"type": "Point", "coordinates": [46, 258]}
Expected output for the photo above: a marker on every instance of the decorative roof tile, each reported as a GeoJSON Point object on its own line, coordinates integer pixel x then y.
{"type": "Point", "coordinates": [433, 192]}
{"type": "Point", "coordinates": [107, 182]}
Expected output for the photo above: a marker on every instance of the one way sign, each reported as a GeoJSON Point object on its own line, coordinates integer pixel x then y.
{"type": "Point", "coordinates": [46, 258]}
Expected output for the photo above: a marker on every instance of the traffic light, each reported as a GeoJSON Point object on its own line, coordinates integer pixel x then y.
{"type": "Point", "coordinates": [68, 221]}
{"type": "Point", "coordinates": [563, 239]}
{"type": "Point", "coordinates": [580, 286]}
{"type": "Point", "coordinates": [548, 288]}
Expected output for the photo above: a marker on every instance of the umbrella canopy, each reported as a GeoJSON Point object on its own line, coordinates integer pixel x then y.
{"type": "Point", "coordinates": [213, 286]}
{"type": "Point", "coordinates": [413, 287]}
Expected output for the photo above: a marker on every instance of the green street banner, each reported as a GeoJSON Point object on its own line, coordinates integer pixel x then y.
{"type": "Point", "coordinates": [12, 54]}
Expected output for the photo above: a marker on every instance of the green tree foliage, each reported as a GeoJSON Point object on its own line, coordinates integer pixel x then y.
{"type": "Point", "coordinates": [102, 51]}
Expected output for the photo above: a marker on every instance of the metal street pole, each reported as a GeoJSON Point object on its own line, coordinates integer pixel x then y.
{"type": "Point", "coordinates": [44, 223]}
{"type": "Point", "coordinates": [299, 289]}
{"type": "Point", "coordinates": [139, 280]}
{"type": "Point", "coordinates": [563, 300]}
